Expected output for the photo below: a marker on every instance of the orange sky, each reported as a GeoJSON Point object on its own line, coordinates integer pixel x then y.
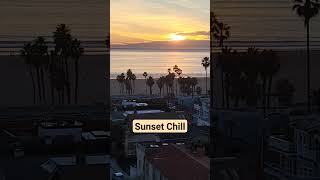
{"type": "Point", "coordinates": [153, 20]}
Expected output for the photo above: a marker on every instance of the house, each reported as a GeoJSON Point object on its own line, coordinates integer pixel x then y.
{"type": "Point", "coordinates": [170, 162]}
{"type": "Point", "coordinates": [53, 131]}
{"type": "Point", "coordinates": [201, 110]}
{"type": "Point", "coordinates": [294, 154]}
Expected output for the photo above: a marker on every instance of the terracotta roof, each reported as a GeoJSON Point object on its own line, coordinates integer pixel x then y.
{"type": "Point", "coordinates": [173, 163]}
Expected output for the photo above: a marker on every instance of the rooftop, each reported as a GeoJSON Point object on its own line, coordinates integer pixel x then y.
{"type": "Point", "coordinates": [175, 162]}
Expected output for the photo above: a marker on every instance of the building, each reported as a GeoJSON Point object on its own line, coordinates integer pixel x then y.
{"type": "Point", "coordinates": [201, 112]}
{"type": "Point", "coordinates": [132, 139]}
{"type": "Point", "coordinates": [170, 162]}
{"type": "Point", "coordinates": [52, 131]}
{"type": "Point", "coordinates": [131, 142]}
{"type": "Point", "coordinates": [294, 154]}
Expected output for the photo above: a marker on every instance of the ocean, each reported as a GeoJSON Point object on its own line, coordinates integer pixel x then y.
{"type": "Point", "coordinates": [23, 20]}
{"type": "Point", "coordinates": [157, 62]}
{"type": "Point", "coordinates": [265, 23]}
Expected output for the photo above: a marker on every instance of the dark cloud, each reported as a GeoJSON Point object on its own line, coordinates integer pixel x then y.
{"type": "Point", "coordinates": [196, 33]}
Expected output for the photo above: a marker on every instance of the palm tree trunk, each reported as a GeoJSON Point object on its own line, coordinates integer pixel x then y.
{"type": "Point", "coordinates": [222, 87]}
{"type": "Point", "coordinates": [308, 67]}
{"type": "Point", "coordinates": [68, 81]}
{"type": "Point", "coordinates": [39, 84]}
{"type": "Point", "coordinates": [227, 91]}
{"type": "Point", "coordinates": [269, 91]}
{"type": "Point", "coordinates": [52, 94]}
{"type": "Point", "coordinates": [43, 86]}
{"type": "Point", "coordinates": [264, 95]}
{"type": "Point", "coordinates": [76, 64]}
{"type": "Point", "coordinates": [33, 85]}
{"type": "Point", "coordinates": [206, 81]}
{"type": "Point", "coordinates": [146, 84]}
{"type": "Point", "coordinates": [176, 87]}
{"type": "Point", "coordinates": [150, 90]}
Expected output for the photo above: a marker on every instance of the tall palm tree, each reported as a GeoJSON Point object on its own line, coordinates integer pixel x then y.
{"type": "Point", "coordinates": [122, 81]}
{"type": "Point", "coordinates": [63, 41]}
{"type": "Point", "coordinates": [176, 69]}
{"type": "Point", "coordinates": [206, 63]}
{"type": "Point", "coordinates": [150, 83]}
{"type": "Point", "coordinates": [43, 49]}
{"type": "Point", "coordinates": [76, 52]}
{"type": "Point", "coordinates": [39, 61]}
{"type": "Point", "coordinates": [118, 78]}
{"type": "Point", "coordinates": [26, 53]}
{"type": "Point", "coordinates": [221, 33]}
{"type": "Point", "coordinates": [179, 72]}
{"type": "Point", "coordinates": [145, 74]}
{"type": "Point", "coordinates": [130, 77]}
{"type": "Point", "coordinates": [133, 78]}
{"type": "Point", "coordinates": [307, 9]}
{"type": "Point", "coordinates": [194, 82]}
{"type": "Point", "coordinates": [160, 84]}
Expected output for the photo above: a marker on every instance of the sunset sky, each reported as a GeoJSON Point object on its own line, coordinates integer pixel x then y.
{"type": "Point", "coordinates": [139, 21]}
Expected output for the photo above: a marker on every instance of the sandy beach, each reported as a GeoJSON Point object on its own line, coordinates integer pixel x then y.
{"type": "Point", "coordinates": [140, 87]}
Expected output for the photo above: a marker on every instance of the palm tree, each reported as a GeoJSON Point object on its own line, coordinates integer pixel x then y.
{"type": "Point", "coordinates": [160, 83]}
{"type": "Point", "coordinates": [269, 66]}
{"type": "Point", "coordinates": [39, 57]}
{"type": "Point", "coordinates": [307, 9]}
{"type": "Point", "coordinates": [26, 53]}
{"type": "Point", "coordinates": [206, 63]}
{"type": "Point", "coordinates": [133, 78]}
{"type": "Point", "coordinates": [76, 52]}
{"type": "Point", "coordinates": [221, 32]}
{"type": "Point", "coordinates": [194, 82]}
{"type": "Point", "coordinates": [176, 69]}
{"type": "Point", "coordinates": [118, 78]}
{"type": "Point", "coordinates": [150, 83]}
{"type": "Point", "coordinates": [285, 91]}
{"type": "Point", "coordinates": [179, 72]}
{"type": "Point", "coordinates": [145, 74]}
{"type": "Point", "coordinates": [198, 90]}
{"type": "Point", "coordinates": [63, 41]}
{"type": "Point", "coordinates": [130, 78]}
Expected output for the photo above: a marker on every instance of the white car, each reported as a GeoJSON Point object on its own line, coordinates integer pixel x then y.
{"type": "Point", "coordinates": [117, 175]}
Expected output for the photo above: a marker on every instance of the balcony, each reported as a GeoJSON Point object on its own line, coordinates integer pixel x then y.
{"type": "Point", "coordinates": [281, 144]}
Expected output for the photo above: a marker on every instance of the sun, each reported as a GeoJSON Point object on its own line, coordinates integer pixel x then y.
{"type": "Point", "coordinates": [175, 37]}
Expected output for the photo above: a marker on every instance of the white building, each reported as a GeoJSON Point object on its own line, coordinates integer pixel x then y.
{"type": "Point", "coordinates": [50, 130]}
{"type": "Point", "coordinates": [201, 112]}
{"type": "Point", "coordinates": [295, 155]}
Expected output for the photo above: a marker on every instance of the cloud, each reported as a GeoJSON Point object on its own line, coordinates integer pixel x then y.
{"type": "Point", "coordinates": [196, 33]}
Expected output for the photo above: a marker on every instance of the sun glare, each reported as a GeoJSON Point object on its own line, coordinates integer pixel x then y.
{"type": "Point", "coordinates": [175, 37]}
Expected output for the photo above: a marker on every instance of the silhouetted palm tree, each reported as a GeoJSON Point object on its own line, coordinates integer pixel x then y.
{"type": "Point", "coordinates": [133, 78]}
{"type": "Point", "coordinates": [221, 33]}
{"type": "Point", "coordinates": [206, 63]}
{"type": "Point", "coordinates": [145, 74]}
{"type": "Point", "coordinates": [150, 83]}
{"type": "Point", "coordinates": [160, 83]}
{"type": "Point", "coordinates": [26, 53]}
{"type": "Point", "coordinates": [194, 82]}
{"type": "Point", "coordinates": [307, 9]}
{"type": "Point", "coordinates": [118, 78]}
{"type": "Point", "coordinates": [285, 91]}
{"type": "Point", "coordinates": [121, 80]}
{"type": "Point", "coordinates": [198, 90]}
{"type": "Point", "coordinates": [269, 66]}
{"type": "Point", "coordinates": [63, 41]}
{"type": "Point", "coordinates": [176, 69]}
{"type": "Point", "coordinates": [39, 60]}
{"type": "Point", "coordinates": [76, 52]}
